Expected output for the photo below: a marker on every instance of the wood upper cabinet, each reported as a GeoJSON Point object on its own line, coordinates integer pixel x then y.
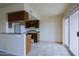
{"type": "Point", "coordinates": [27, 24]}
{"type": "Point", "coordinates": [32, 23]}
{"type": "Point", "coordinates": [37, 23]}
{"type": "Point", "coordinates": [17, 16]}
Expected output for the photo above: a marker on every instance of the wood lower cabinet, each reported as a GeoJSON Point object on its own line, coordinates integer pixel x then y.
{"type": "Point", "coordinates": [28, 43]}
{"type": "Point", "coordinates": [36, 37]}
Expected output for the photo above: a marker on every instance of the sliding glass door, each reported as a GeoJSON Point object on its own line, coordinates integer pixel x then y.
{"type": "Point", "coordinates": [66, 32]}
{"type": "Point", "coordinates": [73, 33]}
{"type": "Point", "coordinates": [71, 27]}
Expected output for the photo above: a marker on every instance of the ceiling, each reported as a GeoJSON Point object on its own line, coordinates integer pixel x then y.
{"type": "Point", "coordinates": [50, 9]}
{"type": "Point", "coordinates": [46, 9]}
{"type": "Point", "coordinates": [4, 4]}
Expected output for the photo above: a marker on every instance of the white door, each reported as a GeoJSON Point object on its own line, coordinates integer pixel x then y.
{"type": "Point", "coordinates": [66, 32]}
{"type": "Point", "coordinates": [73, 33]}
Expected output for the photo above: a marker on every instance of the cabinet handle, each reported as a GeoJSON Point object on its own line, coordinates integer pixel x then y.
{"type": "Point", "coordinates": [77, 34]}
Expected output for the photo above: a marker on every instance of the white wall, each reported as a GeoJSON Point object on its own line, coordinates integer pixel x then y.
{"type": "Point", "coordinates": [51, 29]}
{"type": "Point", "coordinates": [2, 21]}
{"type": "Point", "coordinates": [30, 10]}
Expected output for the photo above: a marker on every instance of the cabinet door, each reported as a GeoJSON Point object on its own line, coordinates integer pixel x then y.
{"type": "Point", "coordinates": [17, 16]}
{"type": "Point", "coordinates": [28, 44]}
{"type": "Point", "coordinates": [27, 24]}
{"type": "Point", "coordinates": [35, 37]}
{"type": "Point", "coordinates": [73, 33]}
{"type": "Point", "coordinates": [38, 37]}
{"type": "Point", "coordinates": [31, 23]}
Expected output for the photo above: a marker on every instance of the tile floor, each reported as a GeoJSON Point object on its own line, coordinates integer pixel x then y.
{"type": "Point", "coordinates": [48, 49]}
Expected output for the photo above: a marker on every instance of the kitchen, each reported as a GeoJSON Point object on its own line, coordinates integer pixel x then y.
{"type": "Point", "coordinates": [20, 28]}
{"type": "Point", "coordinates": [13, 38]}
{"type": "Point", "coordinates": [30, 27]}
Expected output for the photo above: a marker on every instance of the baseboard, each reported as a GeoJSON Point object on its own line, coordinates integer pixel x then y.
{"type": "Point", "coordinates": [46, 42]}
{"type": "Point", "coordinates": [59, 42]}
{"type": "Point", "coordinates": [69, 50]}
{"type": "Point", "coordinates": [51, 42]}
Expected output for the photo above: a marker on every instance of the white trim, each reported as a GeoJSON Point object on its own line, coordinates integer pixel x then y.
{"type": "Point", "coordinates": [69, 13]}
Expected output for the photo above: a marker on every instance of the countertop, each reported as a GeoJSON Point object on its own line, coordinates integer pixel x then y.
{"type": "Point", "coordinates": [18, 33]}
{"type": "Point", "coordinates": [12, 33]}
